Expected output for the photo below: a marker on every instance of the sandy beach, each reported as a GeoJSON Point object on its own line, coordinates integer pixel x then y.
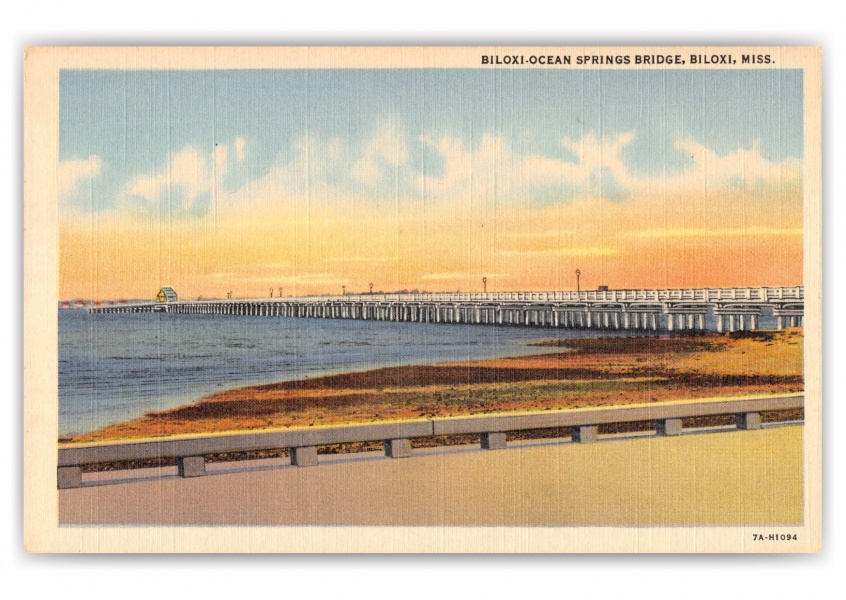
{"type": "Point", "coordinates": [573, 374]}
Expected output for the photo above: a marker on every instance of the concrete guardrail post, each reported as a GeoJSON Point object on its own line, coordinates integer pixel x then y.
{"type": "Point", "coordinates": [305, 456]}
{"type": "Point", "coordinates": [668, 426]}
{"type": "Point", "coordinates": [191, 466]}
{"type": "Point", "coordinates": [492, 440]}
{"type": "Point", "coordinates": [583, 434]}
{"type": "Point", "coordinates": [70, 477]}
{"type": "Point", "coordinates": [750, 420]}
{"type": "Point", "coordinates": [398, 448]}
{"type": "Point", "coordinates": [302, 445]}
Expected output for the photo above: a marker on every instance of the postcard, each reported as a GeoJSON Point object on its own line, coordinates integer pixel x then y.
{"type": "Point", "coordinates": [423, 299]}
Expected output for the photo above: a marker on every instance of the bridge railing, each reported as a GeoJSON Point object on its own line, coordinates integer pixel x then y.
{"type": "Point", "coordinates": [714, 295]}
{"type": "Point", "coordinates": [302, 443]}
{"type": "Point", "coordinates": [679, 295]}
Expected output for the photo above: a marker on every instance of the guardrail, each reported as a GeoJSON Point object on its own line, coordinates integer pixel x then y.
{"type": "Point", "coordinates": [492, 430]}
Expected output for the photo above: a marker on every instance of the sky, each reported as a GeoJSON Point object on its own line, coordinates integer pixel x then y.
{"type": "Point", "coordinates": [429, 179]}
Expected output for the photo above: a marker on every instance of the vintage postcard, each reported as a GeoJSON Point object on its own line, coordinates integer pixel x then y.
{"type": "Point", "coordinates": [444, 299]}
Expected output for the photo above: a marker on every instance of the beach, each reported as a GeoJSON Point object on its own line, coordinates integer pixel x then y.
{"type": "Point", "coordinates": [564, 374]}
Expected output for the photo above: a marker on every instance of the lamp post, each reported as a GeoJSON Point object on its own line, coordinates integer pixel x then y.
{"type": "Point", "coordinates": [371, 289]}
{"type": "Point", "coordinates": [578, 274]}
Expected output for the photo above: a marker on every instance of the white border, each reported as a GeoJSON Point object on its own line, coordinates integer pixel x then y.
{"type": "Point", "coordinates": [613, 22]}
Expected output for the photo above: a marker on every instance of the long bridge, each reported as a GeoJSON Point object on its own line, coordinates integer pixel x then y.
{"type": "Point", "coordinates": [723, 309]}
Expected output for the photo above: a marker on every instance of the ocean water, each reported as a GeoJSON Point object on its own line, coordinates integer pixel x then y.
{"type": "Point", "coordinates": [115, 367]}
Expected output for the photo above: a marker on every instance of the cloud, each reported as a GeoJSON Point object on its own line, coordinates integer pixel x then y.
{"type": "Point", "coordinates": [240, 149]}
{"type": "Point", "coordinates": [495, 167]}
{"type": "Point", "coordinates": [386, 149]}
{"type": "Point", "coordinates": [72, 172]}
{"type": "Point", "coordinates": [598, 162]}
{"type": "Point", "coordinates": [480, 172]}
{"type": "Point", "coordinates": [184, 183]}
{"type": "Point", "coordinates": [475, 185]}
{"type": "Point", "coordinates": [744, 166]}
{"type": "Point", "coordinates": [597, 170]}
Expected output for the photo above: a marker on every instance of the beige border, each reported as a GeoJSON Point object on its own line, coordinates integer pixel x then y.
{"type": "Point", "coordinates": [41, 530]}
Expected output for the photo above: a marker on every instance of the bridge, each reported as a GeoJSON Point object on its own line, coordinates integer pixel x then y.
{"type": "Point", "coordinates": [732, 309]}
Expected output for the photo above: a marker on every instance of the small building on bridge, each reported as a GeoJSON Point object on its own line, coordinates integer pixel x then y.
{"type": "Point", "coordinates": [166, 294]}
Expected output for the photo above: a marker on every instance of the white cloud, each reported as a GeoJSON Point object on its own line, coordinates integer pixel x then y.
{"type": "Point", "coordinates": [72, 172]}
{"type": "Point", "coordinates": [489, 177]}
{"type": "Point", "coordinates": [367, 171]}
{"type": "Point", "coordinates": [597, 170]}
{"type": "Point", "coordinates": [187, 176]}
{"type": "Point", "coordinates": [240, 149]}
{"type": "Point", "coordinates": [597, 159]}
{"type": "Point", "coordinates": [487, 169]}
{"type": "Point", "coordinates": [321, 170]}
{"type": "Point", "coordinates": [746, 166]}
{"type": "Point", "coordinates": [385, 149]}
{"type": "Point", "coordinates": [494, 167]}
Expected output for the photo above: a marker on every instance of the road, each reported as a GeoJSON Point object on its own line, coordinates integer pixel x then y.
{"type": "Point", "coordinates": [726, 477]}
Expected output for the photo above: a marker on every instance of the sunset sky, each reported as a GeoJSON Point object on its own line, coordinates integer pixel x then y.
{"type": "Point", "coordinates": [218, 181]}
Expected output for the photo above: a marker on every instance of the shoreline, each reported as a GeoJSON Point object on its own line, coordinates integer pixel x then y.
{"type": "Point", "coordinates": [576, 373]}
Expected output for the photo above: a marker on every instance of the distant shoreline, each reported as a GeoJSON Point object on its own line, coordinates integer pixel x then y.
{"type": "Point", "coordinates": [591, 372]}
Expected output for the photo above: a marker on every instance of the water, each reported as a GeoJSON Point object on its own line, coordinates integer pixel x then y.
{"type": "Point", "coordinates": [116, 367]}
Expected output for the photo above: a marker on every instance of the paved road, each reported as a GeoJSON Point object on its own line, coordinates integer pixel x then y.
{"type": "Point", "coordinates": [706, 478]}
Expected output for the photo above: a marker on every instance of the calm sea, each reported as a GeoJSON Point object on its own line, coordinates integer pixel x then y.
{"type": "Point", "coordinates": [115, 367]}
